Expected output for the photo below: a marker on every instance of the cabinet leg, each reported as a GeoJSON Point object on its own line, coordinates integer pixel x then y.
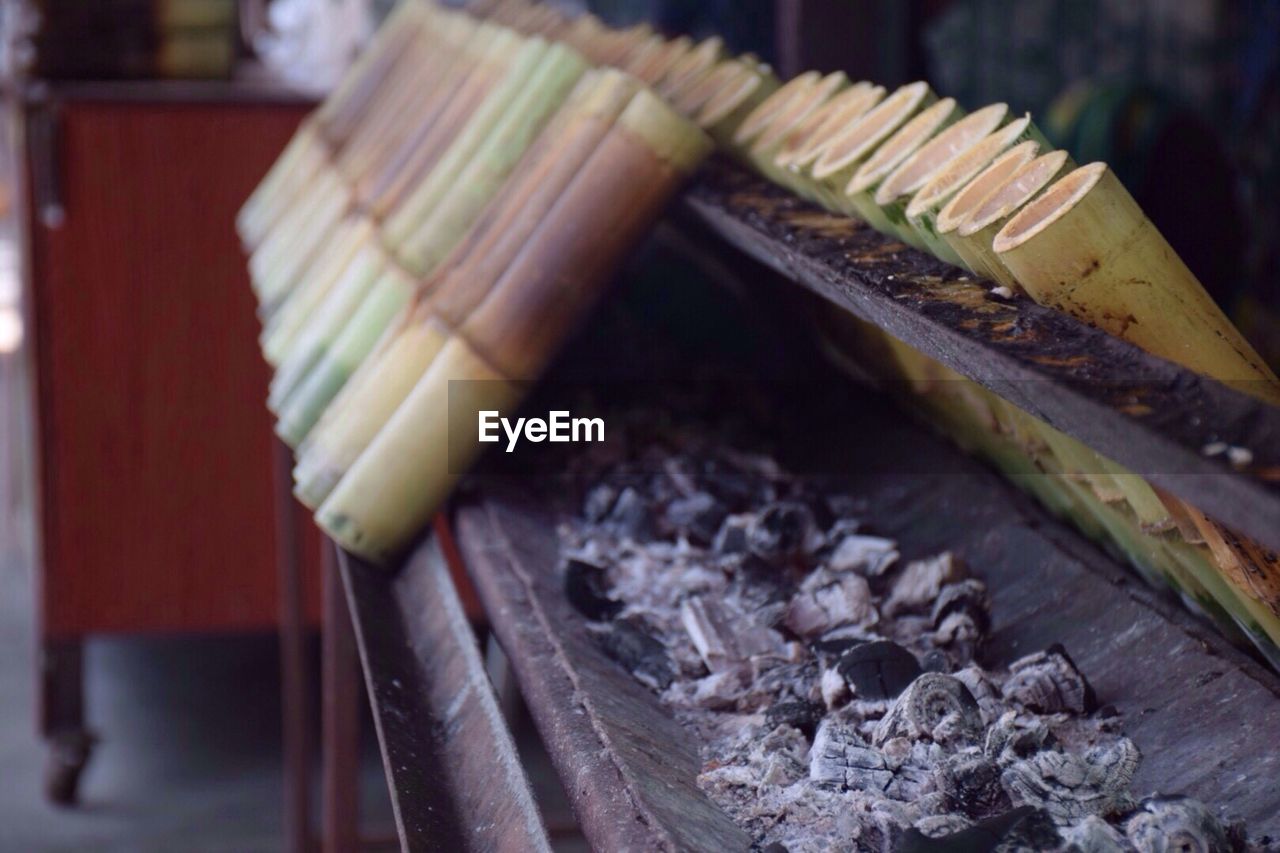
{"type": "Point", "coordinates": [62, 719]}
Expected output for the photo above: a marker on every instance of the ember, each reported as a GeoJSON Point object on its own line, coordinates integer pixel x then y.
{"type": "Point", "coordinates": [834, 686]}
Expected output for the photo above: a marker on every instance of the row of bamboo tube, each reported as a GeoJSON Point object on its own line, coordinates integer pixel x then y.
{"type": "Point", "coordinates": [984, 191]}
{"type": "Point", "coordinates": [429, 237]}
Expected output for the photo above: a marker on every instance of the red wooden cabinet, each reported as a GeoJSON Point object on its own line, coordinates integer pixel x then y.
{"type": "Point", "coordinates": [155, 448]}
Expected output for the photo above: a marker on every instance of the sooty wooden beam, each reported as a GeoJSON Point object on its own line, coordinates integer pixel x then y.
{"type": "Point", "coordinates": [1151, 415]}
{"type": "Point", "coordinates": [456, 781]}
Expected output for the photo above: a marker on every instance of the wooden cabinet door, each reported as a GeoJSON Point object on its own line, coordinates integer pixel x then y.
{"type": "Point", "coordinates": [154, 439]}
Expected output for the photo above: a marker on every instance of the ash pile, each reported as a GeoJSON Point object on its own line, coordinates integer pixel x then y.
{"type": "Point", "coordinates": [834, 685]}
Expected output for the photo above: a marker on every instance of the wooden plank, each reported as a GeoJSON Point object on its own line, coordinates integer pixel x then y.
{"type": "Point", "coordinates": [628, 768]}
{"type": "Point", "coordinates": [455, 779]}
{"type": "Point", "coordinates": [1146, 413]}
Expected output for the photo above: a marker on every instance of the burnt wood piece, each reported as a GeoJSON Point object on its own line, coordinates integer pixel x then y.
{"type": "Point", "coordinates": [1148, 414]}
{"type": "Point", "coordinates": [455, 779]}
{"type": "Point", "coordinates": [629, 769]}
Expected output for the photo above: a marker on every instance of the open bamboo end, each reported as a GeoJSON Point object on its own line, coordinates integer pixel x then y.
{"type": "Point", "coordinates": [858, 140]}
{"type": "Point", "coordinates": [672, 138]}
{"type": "Point", "coordinates": [861, 98]}
{"type": "Point", "coordinates": [917, 169]}
{"type": "Point", "coordinates": [760, 118]}
{"type": "Point", "coordinates": [963, 168]}
{"type": "Point", "coordinates": [692, 64]}
{"type": "Point", "coordinates": [737, 90]}
{"type": "Point", "coordinates": [1043, 211]}
{"type": "Point", "coordinates": [956, 211]}
{"type": "Point", "coordinates": [898, 147]}
{"type": "Point", "coordinates": [802, 137]}
{"type": "Point", "coordinates": [798, 109]}
{"type": "Point", "coordinates": [700, 94]}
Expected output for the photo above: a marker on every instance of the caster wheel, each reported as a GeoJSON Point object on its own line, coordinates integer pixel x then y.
{"type": "Point", "coordinates": [69, 753]}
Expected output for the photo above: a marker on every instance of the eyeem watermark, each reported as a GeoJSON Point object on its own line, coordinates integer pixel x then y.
{"type": "Point", "coordinates": [558, 426]}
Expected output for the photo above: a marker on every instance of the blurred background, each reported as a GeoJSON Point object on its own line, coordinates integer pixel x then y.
{"type": "Point", "coordinates": [140, 604]}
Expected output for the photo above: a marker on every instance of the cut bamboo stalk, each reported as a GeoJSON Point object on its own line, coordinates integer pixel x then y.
{"type": "Point", "coordinates": [694, 98]}
{"type": "Point", "coordinates": [410, 467]}
{"type": "Point", "coordinates": [326, 322]}
{"type": "Point", "coordinates": [372, 396]}
{"type": "Point", "coordinates": [922, 212]}
{"type": "Point", "coordinates": [692, 65]}
{"type": "Point", "coordinates": [894, 193]}
{"type": "Point", "coordinates": [1086, 248]}
{"type": "Point", "coordinates": [807, 143]}
{"type": "Point", "coordinates": [764, 150]}
{"type": "Point", "coordinates": [859, 193]}
{"type": "Point", "coordinates": [725, 111]}
{"type": "Point", "coordinates": [832, 171]}
{"type": "Point", "coordinates": [657, 58]}
{"type": "Point", "coordinates": [273, 284]}
{"type": "Point", "coordinates": [419, 204]}
{"type": "Point", "coordinates": [770, 107]}
{"type": "Point", "coordinates": [999, 173]}
{"type": "Point", "coordinates": [280, 332]}
{"type": "Point", "coordinates": [971, 240]}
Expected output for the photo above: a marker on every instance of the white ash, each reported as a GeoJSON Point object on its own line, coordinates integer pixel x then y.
{"type": "Point", "coordinates": [833, 685]}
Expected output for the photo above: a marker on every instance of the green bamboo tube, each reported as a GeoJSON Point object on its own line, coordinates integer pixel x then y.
{"type": "Point", "coordinates": [809, 141]}
{"type": "Point", "coordinates": [725, 111]}
{"type": "Point", "coordinates": [1084, 245]}
{"type": "Point", "coordinates": [410, 467]}
{"type": "Point", "coordinates": [922, 212]}
{"type": "Point", "coordinates": [895, 191]}
{"type": "Point", "coordinates": [691, 66]}
{"type": "Point", "coordinates": [770, 107]}
{"type": "Point", "coordinates": [846, 153]}
{"type": "Point", "coordinates": [859, 193]}
{"type": "Point", "coordinates": [764, 150]}
{"type": "Point", "coordinates": [484, 173]}
{"type": "Point", "coordinates": [326, 322]}
{"type": "Point", "coordinates": [510, 217]}
{"type": "Point", "coordinates": [300, 159]}
{"type": "Point", "coordinates": [657, 57]}
{"type": "Point", "coordinates": [963, 203]}
{"type": "Point", "coordinates": [695, 97]}
{"type": "Point", "coordinates": [972, 239]}
{"type": "Point", "coordinates": [284, 324]}
{"type": "Point", "coordinates": [285, 258]}
{"type": "Point", "coordinates": [418, 205]}
{"type": "Point", "coordinates": [372, 395]}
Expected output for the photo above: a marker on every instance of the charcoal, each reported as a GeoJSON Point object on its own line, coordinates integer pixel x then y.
{"type": "Point", "coordinates": [800, 714]}
{"type": "Point", "coordinates": [1049, 682]}
{"type": "Point", "coordinates": [941, 825]}
{"type": "Point", "coordinates": [833, 648]}
{"type": "Point", "coordinates": [971, 783]}
{"type": "Point", "coordinates": [921, 581]}
{"type": "Point", "coordinates": [783, 531]}
{"type": "Point", "coordinates": [586, 588]}
{"type": "Point", "coordinates": [935, 661]}
{"type": "Point", "coordinates": [878, 670]}
{"type": "Point", "coordinates": [826, 601]}
{"type": "Point", "coordinates": [841, 528]}
{"type": "Point", "coordinates": [698, 517]}
{"type": "Point", "coordinates": [1023, 829]}
{"type": "Point", "coordinates": [1095, 835]}
{"type": "Point", "coordinates": [1070, 787]}
{"type": "Point", "coordinates": [935, 707]}
{"type": "Point", "coordinates": [724, 639]}
{"type": "Point", "coordinates": [630, 515]}
{"type": "Point", "coordinates": [1009, 739]}
{"type": "Point", "coordinates": [599, 502]}
{"type": "Point", "coordinates": [869, 556]}
{"type": "Point", "coordinates": [760, 583]}
{"type": "Point", "coordinates": [967, 598]}
{"type": "Point", "coordinates": [1172, 824]}
{"type": "Point", "coordinates": [834, 689]}
{"type": "Point", "coordinates": [731, 538]}
{"type": "Point", "coordinates": [775, 847]}
{"type": "Point", "coordinates": [840, 758]}
{"type": "Point", "coordinates": [639, 653]}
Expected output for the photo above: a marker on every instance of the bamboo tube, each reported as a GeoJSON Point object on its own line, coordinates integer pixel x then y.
{"type": "Point", "coordinates": [465, 277]}
{"type": "Point", "coordinates": [399, 225]}
{"type": "Point", "coordinates": [894, 193]}
{"type": "Point", "coordinates": [770, 107]}
{"type": "Point", "coordinates": [280, 332]}
{"type": "Point", "coordinates": [808, 142]}
{"type": "Point", "coordinates": [297, 247]}
{"type": "Point", "coordinates": [690, 67]}
{"type": "Point", "coordinates": [963, 203]}
{"type": "Point", "coordinates": [972, 238]}
{"type": "Point", "coordinates": [372, 395]}
{"type": "Point", "coordinates": [471, 190]}
{"type": "Point", "coordinates": [694, 98]}
{"type": "Point", "coordinates": [764, 150]}
{"type": "Point", "coordinates": [410, 467]}
{"type": "Point", "coordinates": [922, 212]}
{"type": "Point", "coordinates": [858, 195]}
{"type": "Point", "coordinates": [1086, 248]}
{"type": "Point", "coordinates": [325, 323]}
{"type": "Point", "coordinates": [846, 153]}
{"type": "Point", "coordinates": [656, 57]}
{"type": "Point", "coordinates": [726, 110]}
